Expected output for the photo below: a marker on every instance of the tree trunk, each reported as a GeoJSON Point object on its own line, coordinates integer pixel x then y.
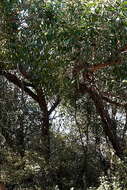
{"type": "Point", "coordinates": [45, 124]}
{"type": "Point", "coordinates": [2, 186]}
{"type": "Point", "coordinates": [109, 125]}
{"type": "Point", "coordinates": [45, 137]}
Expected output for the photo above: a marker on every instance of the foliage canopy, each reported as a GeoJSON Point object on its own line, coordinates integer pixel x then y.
{"type": "Point", "coordinates": [64, 57]}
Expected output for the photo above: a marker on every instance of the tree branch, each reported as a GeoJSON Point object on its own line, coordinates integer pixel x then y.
{"type": "Point", "coordinates": [108, 63]}
{"type": "Point", "coordinates": [113, 102]}
{"type": "Point", "coordinates": [54, 105]}
{"type": "Point", "coordinates": [42, 100]}
{"type": "Point", "coordinates": [14, 79]}
{"type": "Point", "coordinates": [97, 67]}
{"type": "Point", "coordinates": [109, 124]}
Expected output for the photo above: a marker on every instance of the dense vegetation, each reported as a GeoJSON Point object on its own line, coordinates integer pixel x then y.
{"type": "Point", "coordinates": [63, 84]}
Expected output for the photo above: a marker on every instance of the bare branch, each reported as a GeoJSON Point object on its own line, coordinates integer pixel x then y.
{"type": "Point", "coordinates": [54, 105]}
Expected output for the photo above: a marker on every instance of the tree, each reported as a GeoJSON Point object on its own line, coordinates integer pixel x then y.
{"type": "Point", "coordinates": [60, 53]}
